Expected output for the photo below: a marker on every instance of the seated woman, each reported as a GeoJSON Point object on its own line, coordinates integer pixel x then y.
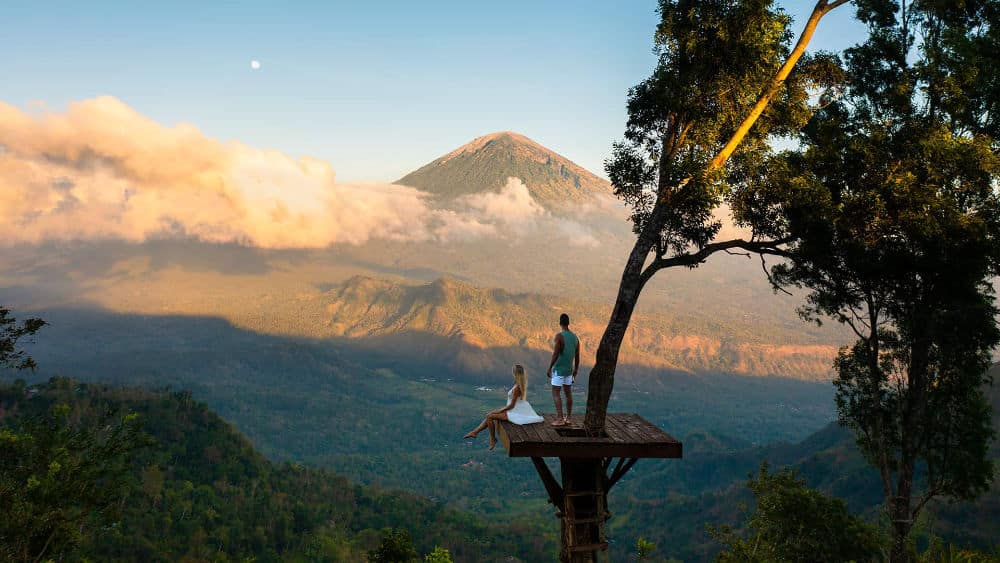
{"type": "Point", "coordinates": [518, 409]}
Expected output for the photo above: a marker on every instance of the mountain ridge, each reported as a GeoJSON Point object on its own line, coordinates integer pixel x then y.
{"type": "Point", "coordinates": [479, 321]}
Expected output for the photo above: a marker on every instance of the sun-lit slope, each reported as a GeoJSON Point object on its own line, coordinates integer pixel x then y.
{"type": "Point", "coordinates": [466, 318]}
{"type": "Point", "coordinates": [486, 162]}
{"type": "Point", "coordinates": [705, 319]}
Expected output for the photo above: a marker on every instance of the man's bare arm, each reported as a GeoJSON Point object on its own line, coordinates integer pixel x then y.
{"type": "Point", "coordinates": [556, 351]}
{"type": "Point", "coordinates": [576, 359]}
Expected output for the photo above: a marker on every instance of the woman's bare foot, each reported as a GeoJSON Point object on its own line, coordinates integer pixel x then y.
{"type": "Point", "coordinates": [493, 443]}
{"type": "Point", "coordinates": [470, 435]}
{"type": "Point", "coordinates": [566, 421]}
{"type": "Point", "coordinates": [560, 422]}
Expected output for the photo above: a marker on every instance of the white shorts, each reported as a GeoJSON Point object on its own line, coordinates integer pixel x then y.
{"type": "Point", "coordinates": [561, 380]}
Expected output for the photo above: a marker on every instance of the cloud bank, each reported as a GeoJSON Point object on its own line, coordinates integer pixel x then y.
{"type": "Point", "coordinates": [101, 170]}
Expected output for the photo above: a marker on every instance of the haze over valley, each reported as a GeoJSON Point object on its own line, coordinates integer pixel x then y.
{"type": "Point", "coordinates": [365, 357]}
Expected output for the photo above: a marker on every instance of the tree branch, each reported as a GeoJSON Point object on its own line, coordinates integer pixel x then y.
{"type": "Point", "coordinates": [822, 8]}
{"type": "Point", "coordinates": [695, 258]}
{"type": "Point", "coordinates": [924, 499]}
{"type": "Point", "coordinates": [767, 274]}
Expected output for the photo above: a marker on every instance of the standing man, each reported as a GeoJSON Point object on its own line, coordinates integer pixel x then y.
{"type": "Point", "coordinates": [563, 367]}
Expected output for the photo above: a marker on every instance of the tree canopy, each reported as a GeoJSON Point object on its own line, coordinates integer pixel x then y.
{"type": "Point", "coordinates": [11, 332]}
{"type": "Point", "coordinates": [900, 242]}
{"type": "Point", "coordinates": [727, 81]}
{"type": "Point", "coordinates": [791, 522]}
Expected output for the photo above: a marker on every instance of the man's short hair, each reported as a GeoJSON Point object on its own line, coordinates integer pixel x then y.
{"type": "Point", "coordinates": [564, 319]}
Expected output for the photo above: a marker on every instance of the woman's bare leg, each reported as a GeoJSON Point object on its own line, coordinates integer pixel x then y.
{"type": "Point", "coordinates": [493, 418]}
{"type": "Point", "coordinates": [493, 434]}
{"type": "Point", "coordinates": [479, 428]}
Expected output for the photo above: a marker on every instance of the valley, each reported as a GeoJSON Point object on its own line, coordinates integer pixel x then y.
{"type": "Point", "coordinates": [371, 360]}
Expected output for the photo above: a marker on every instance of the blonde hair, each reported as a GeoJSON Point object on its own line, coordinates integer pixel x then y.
{"type": "Point", "coordinates": [521, 380]}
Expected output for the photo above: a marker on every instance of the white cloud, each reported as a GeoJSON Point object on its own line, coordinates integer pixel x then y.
{"type": "Point", "coordinates": [101, 170]}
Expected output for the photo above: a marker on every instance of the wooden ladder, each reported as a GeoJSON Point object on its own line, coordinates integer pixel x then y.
{"type": "Point", "coordinates": [573, 519]}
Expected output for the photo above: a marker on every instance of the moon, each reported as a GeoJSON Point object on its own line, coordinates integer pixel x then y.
{"type": "Point", "coordinates": [255, 64]}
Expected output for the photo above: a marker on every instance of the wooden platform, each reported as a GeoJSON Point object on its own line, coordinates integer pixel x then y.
{"type": "Point", "coordinates": [629, 436]}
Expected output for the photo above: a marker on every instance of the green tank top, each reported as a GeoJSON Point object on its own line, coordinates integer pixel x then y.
{"type": "Point", "coordinates": [564, 363]}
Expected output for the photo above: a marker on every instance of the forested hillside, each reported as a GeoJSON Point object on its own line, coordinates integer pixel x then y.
{"type": "Point", "coordinates": [200, 491]}
{"type": "Point", "coordinates": [673, 502]}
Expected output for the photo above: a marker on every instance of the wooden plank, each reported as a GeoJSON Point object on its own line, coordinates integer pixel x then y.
{"type": "Point", "coordinates": [655, 429]}
{"type": "Point", "coordinates": [616, 432]}
{"type": "Point", "coordinates": [531, 432]}
{"type": "Point", "coordinates": [520, 432]}
{"type": "Point", "coordinates": [548, 432]}
{"type": "Point", "coordinates": [592, 520]}
{"type": "Point", "coordinates": [590, 547]}
{"type": "Point", "coordinates": [629, 436]}
{"type": "Point", "coordinates": [595, 450]}
{"type": "Point", "coordinates": [646, 430]}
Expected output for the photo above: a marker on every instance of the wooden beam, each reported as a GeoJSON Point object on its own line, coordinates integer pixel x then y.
{"type": "Point", "coordinates": [552, 486]}
{"type": "Point", "coordinates": [620, 471]}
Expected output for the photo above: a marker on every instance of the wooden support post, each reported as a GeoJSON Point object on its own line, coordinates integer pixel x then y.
{"type": "Point", "coordinates": [584, 510]}
{"type": "Point", "coordinates": [589, 470]}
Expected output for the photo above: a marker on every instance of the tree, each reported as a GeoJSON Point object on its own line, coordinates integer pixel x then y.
{"type": "Point", "coordinates": [723, 86]}
{"type": "Point", "coordinates": [61, 480]}
{"type": "Point", "coordinates": [10, 333]}
{"type": "Point", "coordinates": [902, 241]}
{"type": "Point", "coordinates": [396, 547]}
{"type": "Point", "coordinates": [644, 549]}
{"type": "Point", "coordinates": [439, 555]}
{"type": "Point", "coordinates": [792, 522]}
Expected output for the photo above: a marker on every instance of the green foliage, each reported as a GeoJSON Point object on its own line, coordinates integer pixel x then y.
{"type": "Point", "coordinates": [396, 547]}
{"type": "Point", "coordinates": [63, 476]}
{"type": "Point", "coordinates": [938, 552]}
{"type": "Point", "coordinates": [10, 333]}
{"type": "Point", "coordinates": [439, 555]}
{"type": "Point", "coordinates": [900, 244]}
{"type": "Point", "coordinates": [201, 492]}
{"type": "Point", "coordinates": [792, 522]}
{"type": "Point", "coordinates": [644, 549]}
{"type": "Point", "coordinates": [715, 59]}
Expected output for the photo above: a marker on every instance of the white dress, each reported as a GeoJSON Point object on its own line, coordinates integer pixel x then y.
{"type": "Point", "coordinates": [522, 413]}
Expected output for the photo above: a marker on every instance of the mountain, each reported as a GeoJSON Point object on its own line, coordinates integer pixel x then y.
{"type": "Point", "coordinates": [487, 329]}
{"type": "Point", "coordinates": [485, 163]}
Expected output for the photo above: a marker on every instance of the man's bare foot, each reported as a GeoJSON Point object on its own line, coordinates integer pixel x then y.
{"type": "Point", "coordinates": [470, 435]}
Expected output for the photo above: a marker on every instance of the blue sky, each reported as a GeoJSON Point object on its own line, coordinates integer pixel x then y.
{"type": "Point", "coordinates": [375, 88]}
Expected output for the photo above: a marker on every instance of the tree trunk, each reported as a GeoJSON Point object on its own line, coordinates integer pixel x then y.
{"type": "Point", "coordinates": [602, 376]}
{"type": "Point", "coordinates": [912, 420]}
{"type": "Point", "coordinates": [901, 525]}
